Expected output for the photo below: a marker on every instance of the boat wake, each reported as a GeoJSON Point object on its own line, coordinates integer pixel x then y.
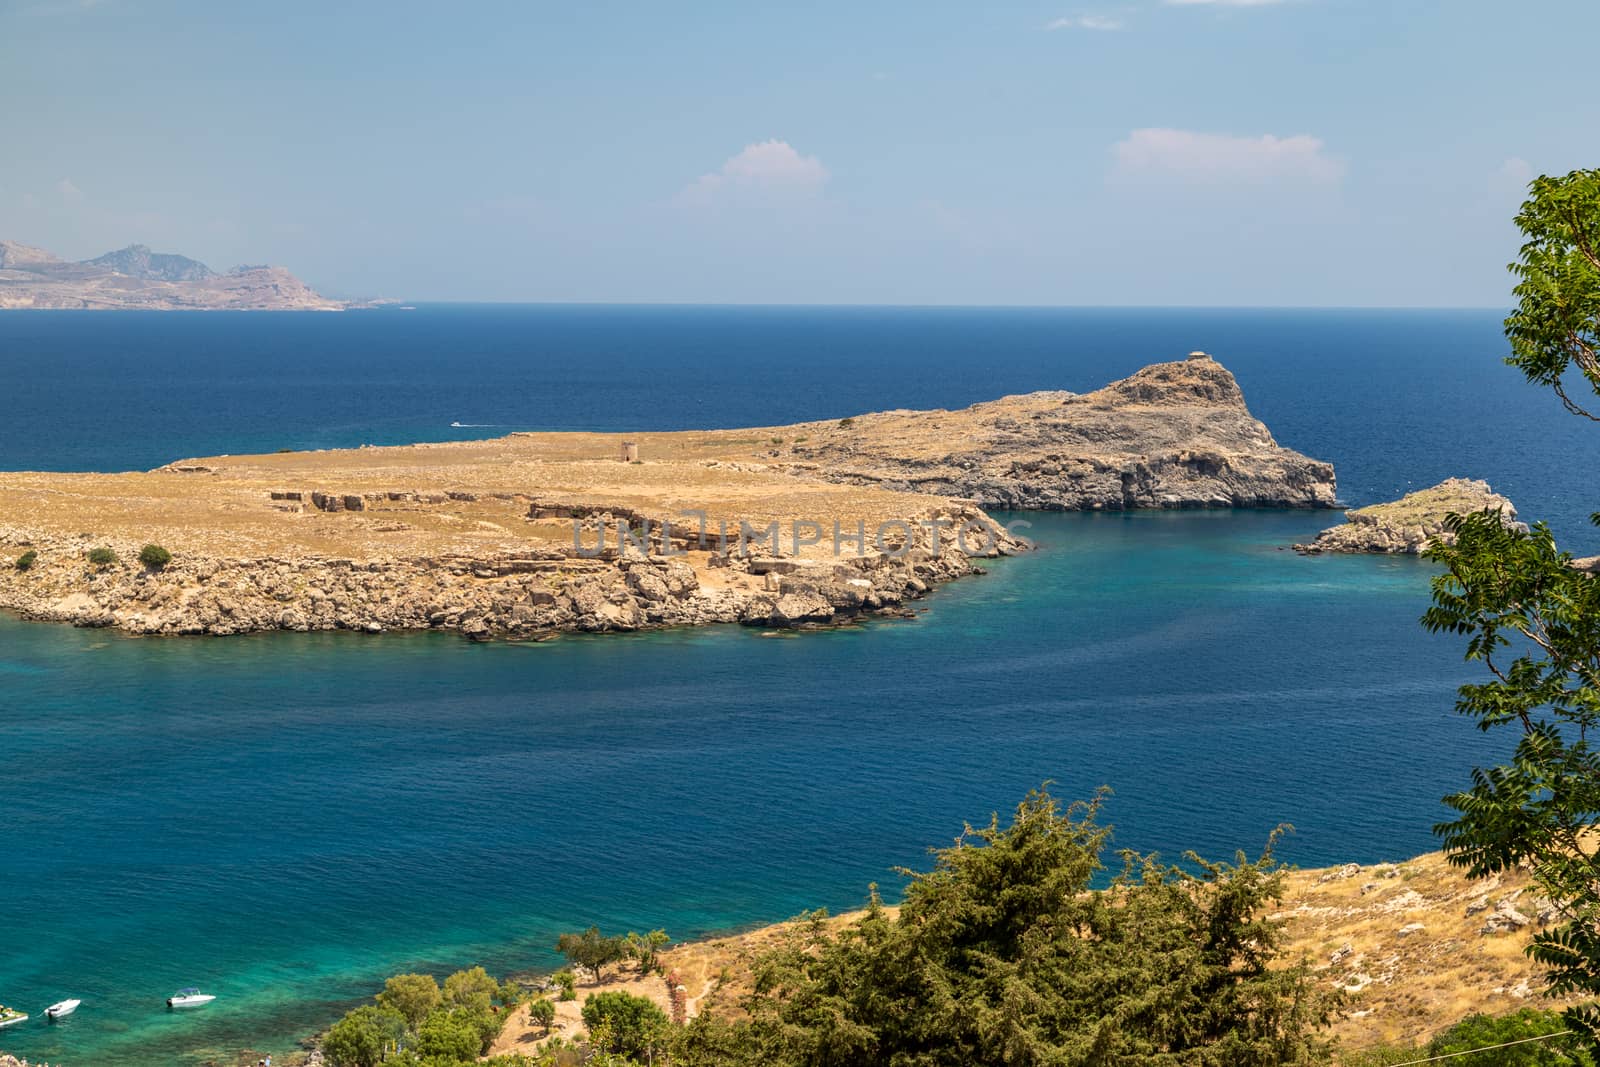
{"type": "Point", "coordinates": [473, 425]}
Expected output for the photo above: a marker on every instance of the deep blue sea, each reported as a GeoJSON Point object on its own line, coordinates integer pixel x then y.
{"type": "Point", "coordinates": [284, 819]}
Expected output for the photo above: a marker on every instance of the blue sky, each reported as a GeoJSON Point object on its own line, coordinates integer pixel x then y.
{"type": "Point", "coordinates": [1253, 152]}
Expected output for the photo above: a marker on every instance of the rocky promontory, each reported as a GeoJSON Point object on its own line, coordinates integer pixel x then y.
{"type": "Point", "coordinates": [1173, 435]}
{"type": "Point", "coordinates": [538, 533]}
{"type": "Point", "coordinates": [1409, 525]}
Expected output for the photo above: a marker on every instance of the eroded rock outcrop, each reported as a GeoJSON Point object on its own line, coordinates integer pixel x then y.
{"type": "Point", "coordinates": [1409, 525]}
{"type": "Point", "coordinates": [1174, 435]}
{"type": "Point", "coordinates": [539, 591]}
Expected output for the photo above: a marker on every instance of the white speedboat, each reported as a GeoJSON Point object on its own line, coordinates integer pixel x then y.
{"type": "Point", "coordinates": [189, 998]}
{"type": "Point", "coordinates": [11, 1016]}
{"type": "Point", "coordinates": [66, 1007]}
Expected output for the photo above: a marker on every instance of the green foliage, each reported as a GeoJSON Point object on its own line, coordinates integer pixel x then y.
{"type": "Point", "coordinates": [1477, 1035]}
{"type": "Point", "coordinates": [568, 983]}
{"type": "Point", "coordinates": [543, 1013]}
{"type": "Point", "coordinates": [510, 994]}
{"type": "Point", "coordinates": [1556, 326]}
{"type": "Point", "coordinates": [1533, 621]}
{"type": "Point", "coordinates": [154, 556]}
{"type": "Point", "coordinates": [361, 1038]}
{"type": "Point", "coordinates": [1001, 954]}
{"type": "Point", "coordinates": [1482, 1031]}
{"type": "Point", "coordinates": [412, 995]}
{"type": "Point", "coordinates": [646, 948]}
{"type": "Point", "coordinates": [102, 557]}
{"type": "Point", "coordinates": [473, 990]}
{"type": "Point", "coordinates": [451, 1036]}
{"type": "Point", "coordinates": [846, 423]}
{"type": "Point", "coordinates": [27, 560]}
{"type": "Point", "coordinates": [415, 1024]}
{"type": "Point", "coordinates": [591, 950]}
{"type": "Point", "coordinates": [625, 1024]}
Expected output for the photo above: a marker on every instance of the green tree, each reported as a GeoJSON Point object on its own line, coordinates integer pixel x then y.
{"type": "Point", "coordinates": [472, 989]}
{"type": "Point", "coordinates": [27, 560]}
{"type": "Point", "coordinates": [625, 1024]}
{"type": "Point", "coordinates": [1483, 1031]}
{"type": "Point", "coordinates": [154, 556]}
{"type": "Point", "coordinates": [450, 1036]}
{"type": "Point", "coordinates": [646, 948]}
{"type": "Point", "coordinates": [1532, 619]}
{"type": "Point", "coordinates": [510, 993]}
{"type": "Point", "coordinates": [591, 950]}
{"type": "Point", "coordinates": [412, 995]}
{"type": "Point", "coordinates": [1003, 954]}
{"type": "Point", "coordinates": [568, 983]}
{"type": "Point", "coordinates": [1556, 325]}
{"type": "Point", "coordinates": [102, 557]}
{"type": "Point", "coordinates": [361, 1038]}
{"type": "Point", "coordinates": [543, 1013]}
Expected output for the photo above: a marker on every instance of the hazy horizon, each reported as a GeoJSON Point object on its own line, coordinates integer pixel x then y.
{"type": "Point", "coordinates": [1147, 153]}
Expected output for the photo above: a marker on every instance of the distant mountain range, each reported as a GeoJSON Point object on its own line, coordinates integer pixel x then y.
{"type": "Point", "coordinates": [135, 277]}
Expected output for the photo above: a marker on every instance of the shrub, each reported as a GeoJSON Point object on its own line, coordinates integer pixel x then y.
{"type": "Point", "coordinates": [1482, 1031]}
{"type": "Point", "coordinates": [412, 995]}
{"type": "Point", "coordinates": [154, 556]}
{"type": "Point", "coordinates": [472, 989]}
{"type": "Point", "coordinates": [362, 1036]}
{"type": "Point", "coordinates": [846, 423]}
{"type": "Point", "coordinates": [26, 560]}
{"type": "Point", "coordinates": [511, 993]}
{"type": "Point", "coordinates": [542, 1012]}
{"type": "Point", "coordinates": [452, 1036]}
{"type": "Point", "coordinates": [568, 983]}
{"type": "Point", "coordinates": [633, 1026]}
{"type": "Point", "coordinates": [102, 557]}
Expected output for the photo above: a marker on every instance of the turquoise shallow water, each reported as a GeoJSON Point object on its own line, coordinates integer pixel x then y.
{"type": "Point", "coordinates": [284, 819]}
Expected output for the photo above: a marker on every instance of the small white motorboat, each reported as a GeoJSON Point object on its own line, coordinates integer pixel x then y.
{"type": "Point", "coordinates": [189, 998]}
{"type": "Point", "coordinates": [11, 1016]}
{"type": "Point", "coordinates": [65, 1007]}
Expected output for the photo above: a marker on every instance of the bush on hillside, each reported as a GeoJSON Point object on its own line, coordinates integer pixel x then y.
{"type": "Point", "coordinates": [154, 556]}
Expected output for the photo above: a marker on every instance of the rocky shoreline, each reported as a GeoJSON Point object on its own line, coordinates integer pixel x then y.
{"type": "Point", "coordinates": [1409, 525]}
{"type": "Point", "coordinates": [540, 593]}
{"type": "Point", "coordinates": [799, 526]}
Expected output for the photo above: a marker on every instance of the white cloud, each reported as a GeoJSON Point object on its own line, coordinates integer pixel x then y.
{"type": "Point", "coordinates": [69, 192]}
{"type": "Point", "coordinates": [1215, 157]}
{"type": "Point", "coordinates": [1516, 170]}
{"type": "Point", "coordinates": [1224, 3]}
{"type": "Point", "coordinates": [765, 165]}
{"type": "Point", "coordinates": [1086, 22]}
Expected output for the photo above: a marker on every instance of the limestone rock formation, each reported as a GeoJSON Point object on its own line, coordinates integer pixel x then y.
{"type": "Point", "coordinates": [1409, 525]}
{"type": "Point", "coordinates": [1174, 435]}
{"type": "Point", "coordinates": [549, 591]}
{"type": "Point", "coordinates": [135, 277]}
{"type": "Point", "coordinates": [504, 536]}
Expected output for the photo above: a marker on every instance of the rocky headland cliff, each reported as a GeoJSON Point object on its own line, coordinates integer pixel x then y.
{"type": "Point", "coordinates": [1173, 435]}
{"type": "Point", "coordinates": [137, 278]}
{"type": "Point", "coordinates": [1409, 525]}
{"type": "Point", "coordinates": [538, 533]}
